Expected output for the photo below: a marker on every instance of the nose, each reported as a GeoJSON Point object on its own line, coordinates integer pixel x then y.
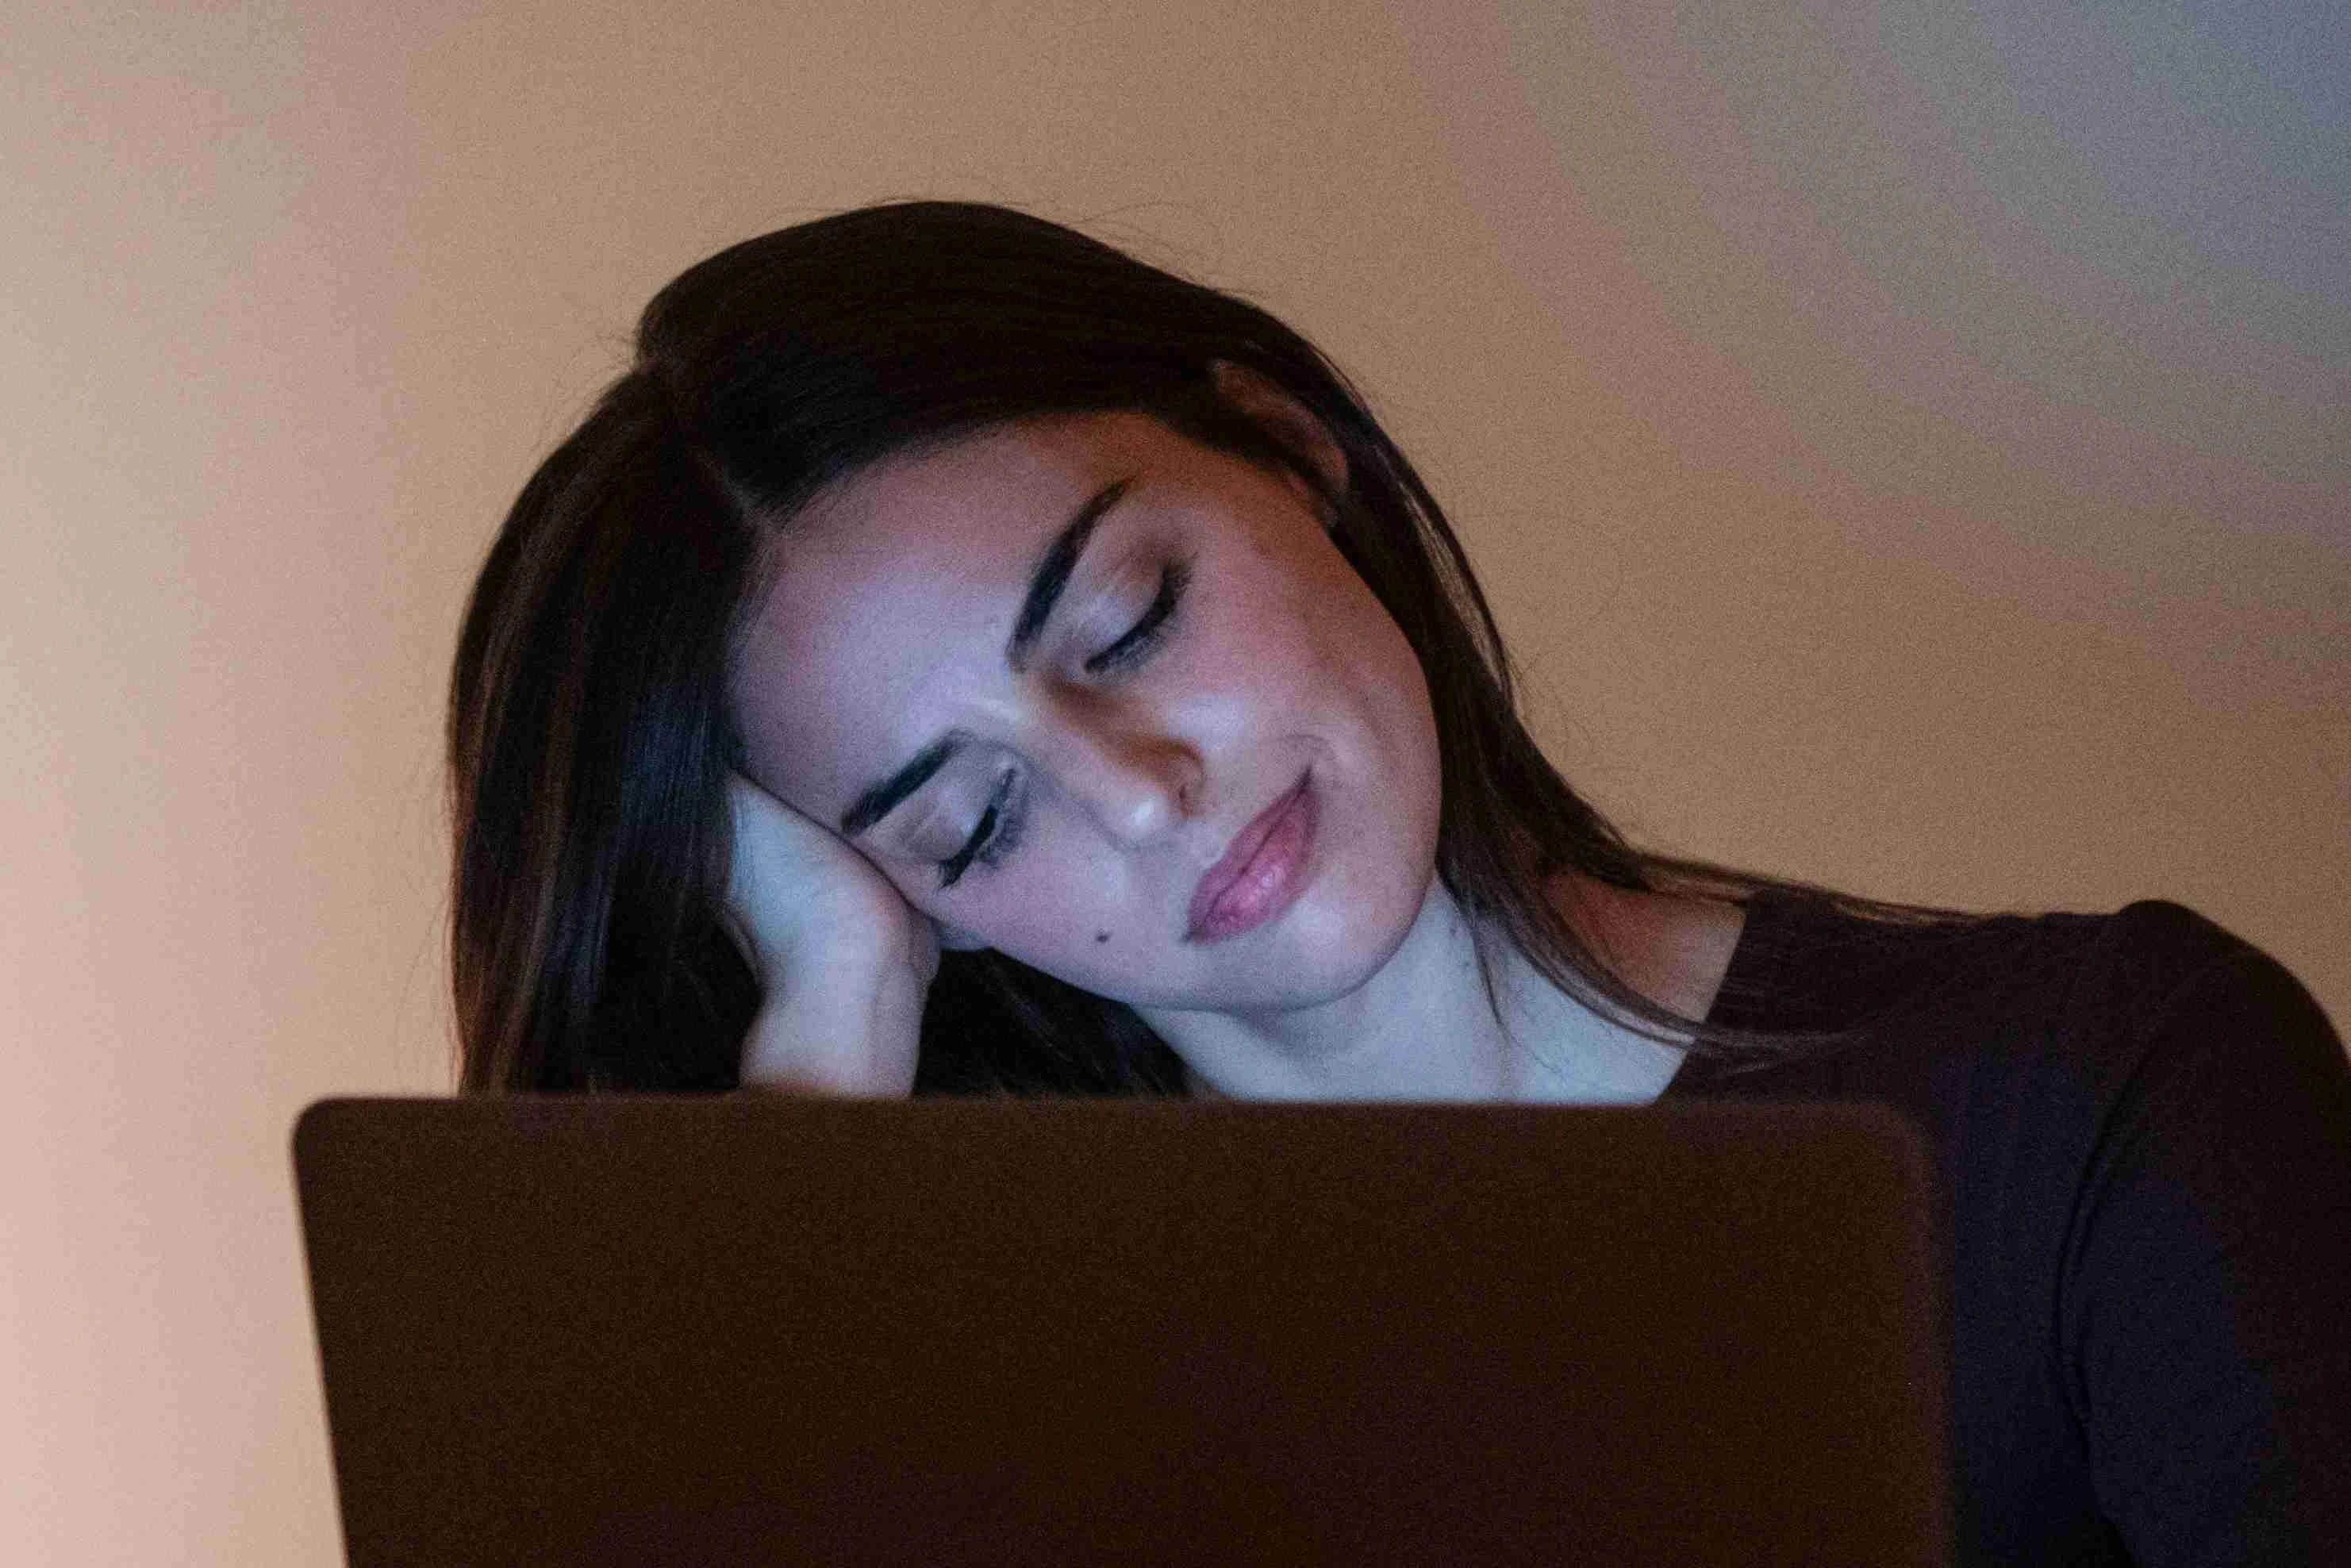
{"type": "Point", "coordinates": [1135, 779]}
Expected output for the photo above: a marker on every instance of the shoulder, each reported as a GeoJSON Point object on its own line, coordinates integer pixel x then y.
{"type": "Point", "coordinates": [2150, 1028]}
{"type": "Point", "coordinates": [2147, 949]}
{"type": "Point", "coordinates": [2196, 1025]}
{"type": "Point", "coordinates": [2085, 997]}
{"type": "Point", "coordinates": [2158, 979]}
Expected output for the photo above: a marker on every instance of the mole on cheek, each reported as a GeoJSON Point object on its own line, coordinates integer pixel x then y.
{"type": "Point", "coordinates": [1101, 935]}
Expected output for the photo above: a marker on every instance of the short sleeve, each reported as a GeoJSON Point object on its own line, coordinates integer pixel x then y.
{"type": "Point", "coordinates": [2205, 1310]}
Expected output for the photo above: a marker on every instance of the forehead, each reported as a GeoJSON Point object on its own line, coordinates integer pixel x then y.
{"type": "Point", "coordinates": [905, 578]}
{"type": "Point", "coordinates": [963, 502]}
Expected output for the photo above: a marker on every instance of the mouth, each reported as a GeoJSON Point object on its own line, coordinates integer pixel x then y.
{"type": "Point", "coordinates": [1262, 870]}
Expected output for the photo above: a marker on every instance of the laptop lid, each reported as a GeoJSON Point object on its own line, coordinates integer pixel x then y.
{"type": "Point", "coordinates": [749, 1329]}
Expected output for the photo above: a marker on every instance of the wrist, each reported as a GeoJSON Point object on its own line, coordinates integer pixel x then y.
{"type": "Point", "coordinates": [842, 1021]}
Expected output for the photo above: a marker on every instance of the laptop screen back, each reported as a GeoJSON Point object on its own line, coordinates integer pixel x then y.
{"type": "Point", "coordinates": [745, 1329]}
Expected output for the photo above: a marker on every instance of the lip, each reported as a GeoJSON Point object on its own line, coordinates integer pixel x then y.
{"type": "Point", "coordinates": [1262, 870]}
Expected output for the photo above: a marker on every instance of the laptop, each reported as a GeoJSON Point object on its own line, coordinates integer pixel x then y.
{"type": "Point", "coordinates": [745, 1329]}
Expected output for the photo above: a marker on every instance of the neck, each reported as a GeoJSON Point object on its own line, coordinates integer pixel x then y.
{"type": "Point", "coordinates": [1421, 1028]}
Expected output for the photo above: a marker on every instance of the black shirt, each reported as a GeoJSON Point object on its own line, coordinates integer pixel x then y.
{"type": "Point", "coordinates": [2141, 1126]}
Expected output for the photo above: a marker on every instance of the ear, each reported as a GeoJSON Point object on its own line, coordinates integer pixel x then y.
{"type": "Point", "coordinates": [1284, 418]}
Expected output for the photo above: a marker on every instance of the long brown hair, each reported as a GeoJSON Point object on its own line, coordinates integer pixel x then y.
{"type": "Point", "coordinates": [589, 734]}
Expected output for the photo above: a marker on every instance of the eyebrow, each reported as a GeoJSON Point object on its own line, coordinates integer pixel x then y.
{"type": "Point", "coordinates": [1054, 570]}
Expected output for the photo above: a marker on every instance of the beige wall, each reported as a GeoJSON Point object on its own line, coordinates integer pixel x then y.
{"type": "Point", "coordinates": [1909, 451]}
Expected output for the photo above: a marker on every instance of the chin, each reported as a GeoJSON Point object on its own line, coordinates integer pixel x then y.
{"type": "Point", "coordinates": [1347, 935]}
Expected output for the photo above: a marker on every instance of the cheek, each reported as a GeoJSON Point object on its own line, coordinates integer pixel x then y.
{"type": "Point", "coordinates": [1069, 914]}
{"type": "Point", "coordinates": [1271, 650]}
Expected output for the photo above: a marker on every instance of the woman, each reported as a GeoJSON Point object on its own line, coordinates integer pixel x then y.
{"type": "Point", "coordinates": [959, 658]}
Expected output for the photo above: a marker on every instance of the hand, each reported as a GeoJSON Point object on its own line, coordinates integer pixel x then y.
{"type": "Point", "coordinates": [843, 961]}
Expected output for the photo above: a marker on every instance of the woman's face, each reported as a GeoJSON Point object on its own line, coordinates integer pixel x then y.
{"type": "Point", "coordinates": [1210, 648]}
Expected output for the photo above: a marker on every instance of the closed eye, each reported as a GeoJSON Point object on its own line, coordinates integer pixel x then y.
{"type": "Point", "coordinates": [999, 830]}
{"type": "Point", "coordinates": [1144, 634]}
